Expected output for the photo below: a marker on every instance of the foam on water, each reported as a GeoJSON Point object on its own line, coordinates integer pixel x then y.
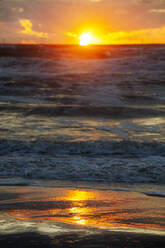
{"type": "Point", "coordinates": [111, 169]}
{"type": "Point", "coordinates": [76, 113]}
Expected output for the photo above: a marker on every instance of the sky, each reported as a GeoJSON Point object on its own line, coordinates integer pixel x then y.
{"type": "Point", "coordinates": [63, 21]}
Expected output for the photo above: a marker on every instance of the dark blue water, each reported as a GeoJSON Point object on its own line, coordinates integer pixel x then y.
{"type": "Point", "coordinates": [83, 113]}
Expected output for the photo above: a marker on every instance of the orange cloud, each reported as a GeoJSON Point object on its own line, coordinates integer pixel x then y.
{"type": "Point", "coordinates": [70, 34]}
{"type": "Point", "coordinates": [143, 36]}
{"type": "Point", "coordinates": [28, 42]}
{"type": "Point", "coordinates": [27, 25]}
{"type": "Point", "coordinates": [157, 10]}
{"type": "Point", "coordinates": [19, 10]}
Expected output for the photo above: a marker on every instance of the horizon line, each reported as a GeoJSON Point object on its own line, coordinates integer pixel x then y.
{"type": "Point", "coordinates": [66, 44]}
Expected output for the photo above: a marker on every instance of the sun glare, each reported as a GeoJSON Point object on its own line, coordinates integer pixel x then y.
{"type": "Point", "coordinates": [85, 39]}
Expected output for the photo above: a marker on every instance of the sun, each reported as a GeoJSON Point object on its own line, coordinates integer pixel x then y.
{"type": "Point", "coordinates": [85, 39]}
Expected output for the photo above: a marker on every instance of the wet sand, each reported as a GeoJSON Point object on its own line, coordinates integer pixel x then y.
{"type": "Point", "coordinates": [102, 240]}
{"type": "Point", "coordinates": [74, 216]}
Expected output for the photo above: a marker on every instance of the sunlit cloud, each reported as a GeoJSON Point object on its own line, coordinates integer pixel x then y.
{"type": "Point", "coordinates": [141, 36]}
{"type": "Point", "coordinates": [70, 34]}
{"type": "Point", "coordinates": [27, 25]}
{"type": "Point", "coordinates": [28, 42]}
{"type": "Point", "coordinates": [157, 10]}
{"type": "Point", "coordinates": [96, 1]}
{"type": "Point", "coordinates": [19, 10]}
{"type": "Point", "coordinates": [144, 36]}
{"type": "Point", "coordinates": [152, 1]}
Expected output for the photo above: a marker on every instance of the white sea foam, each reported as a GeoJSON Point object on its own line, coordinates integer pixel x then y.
{"type": "Point", "coordinates": [105, 168]}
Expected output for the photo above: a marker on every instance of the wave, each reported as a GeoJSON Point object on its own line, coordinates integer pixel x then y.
{"type": "Point", "coordinates": [85, 168]}
{"type": "Point", "coordinates": [155, 194]}
{"type": "Point", "coordinates": [71, 109]}
{"type": "Point", "coordinates": [92, 161]}
{"type": "Point", "coordinates": [55, 147]}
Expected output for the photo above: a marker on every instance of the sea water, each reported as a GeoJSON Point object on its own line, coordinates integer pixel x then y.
{"type": "Point", "coordinates": [92, 113]}
{"type": "Point", "coordinates": [82, 141]}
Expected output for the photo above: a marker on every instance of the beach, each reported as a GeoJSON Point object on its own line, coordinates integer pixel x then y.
{"type": "Point", "coordinates": [68, 214]}
{"type": "Point", "coordinates": [103, 240]}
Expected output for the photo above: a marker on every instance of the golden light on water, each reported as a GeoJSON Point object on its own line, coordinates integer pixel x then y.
{"type": "Point", "coordinates": [93, 208]}
{"type": "Point", "coordinates": [80, 211]}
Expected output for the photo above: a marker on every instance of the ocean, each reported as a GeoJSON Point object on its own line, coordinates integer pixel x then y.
{"type": "Point", "coordinates": [82, 146]}
{"type": "Point", "coordinates": [92, 113]}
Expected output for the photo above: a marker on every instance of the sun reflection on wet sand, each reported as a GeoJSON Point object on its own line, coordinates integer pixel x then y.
{"type": "Point", "coordinates": [108, 209]}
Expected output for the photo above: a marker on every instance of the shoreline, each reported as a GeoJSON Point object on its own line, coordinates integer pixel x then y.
{"type": "Point", "coordinates": [60, 214]}
{"type": "Point", "coordinates": [61, 207]}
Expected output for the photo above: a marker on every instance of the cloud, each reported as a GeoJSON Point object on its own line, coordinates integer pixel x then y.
{"type": "Point", "coordinates": [140, 36]}
{"type": "Point", "coordinates": [27, 25]}
{"type": "Point", "coordinates": [96, 1]}
{"type": "Point", "coordinates": [157, 10]}
{"type": "Point", "coordinates": [70, 34]}
{"type": "Point", "coordinates": [27, 42]}
{"type": "Point", "coordinates": [152, 1]}
{"type": "Point", "coordinates": [144, 36]}
{"type": "Point", "coordinates": [19, 10]}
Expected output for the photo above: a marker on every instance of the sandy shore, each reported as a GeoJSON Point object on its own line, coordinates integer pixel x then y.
{"type": "Point", "coordinates": [102, 240]}
{"type": "Point", "coordinates": [62, 214]}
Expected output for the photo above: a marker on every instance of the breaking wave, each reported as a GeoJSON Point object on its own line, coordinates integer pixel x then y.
{"type": "Point", "coordinates": [49, 147]}
{"type": "Point", "coordinates": [96, 161]}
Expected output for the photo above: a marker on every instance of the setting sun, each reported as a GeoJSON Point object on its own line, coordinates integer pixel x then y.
{"type": "Point", "coordinates": [85, 39]}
